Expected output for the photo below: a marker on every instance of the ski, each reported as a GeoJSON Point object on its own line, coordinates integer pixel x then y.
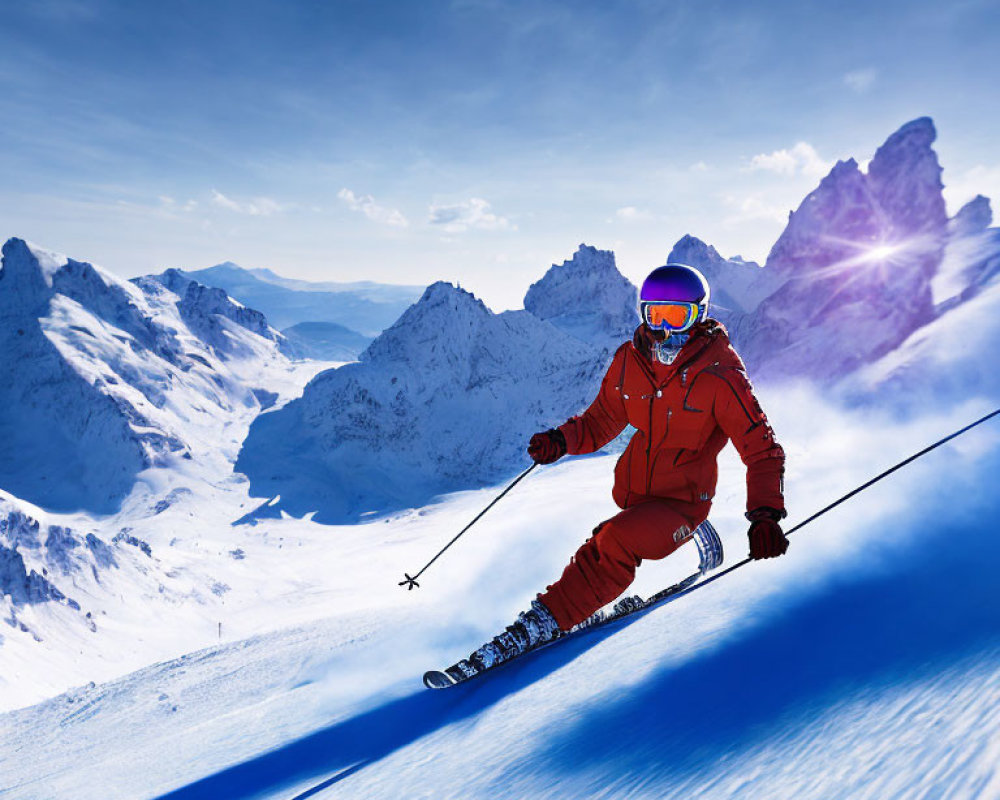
{"type": "Point", "coordinates": [710, 557]}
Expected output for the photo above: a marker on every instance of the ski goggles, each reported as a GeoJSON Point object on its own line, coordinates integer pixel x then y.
{"type": "Point", "coordinates": [673, 316]}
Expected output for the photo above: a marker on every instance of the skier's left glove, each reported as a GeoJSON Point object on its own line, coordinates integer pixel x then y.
{"type": "Point", "coordinates": [547, 446]}
{"type": "Point", "coordinates": [767, 540]}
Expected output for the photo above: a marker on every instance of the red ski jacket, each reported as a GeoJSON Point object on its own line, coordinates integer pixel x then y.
{"type": "Point", "coordinates": [684, 413]}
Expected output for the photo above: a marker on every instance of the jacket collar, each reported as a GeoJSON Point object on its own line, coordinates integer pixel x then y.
{"type": "Point", "coordinates": [702, 337]}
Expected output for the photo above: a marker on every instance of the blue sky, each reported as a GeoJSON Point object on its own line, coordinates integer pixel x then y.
{"type": "Point", "coordinates": [474, 141]}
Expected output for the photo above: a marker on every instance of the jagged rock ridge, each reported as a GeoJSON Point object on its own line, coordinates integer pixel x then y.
{"type": "Point", "coordinates": [444, 399]}
{"type": "Point", "coordinates": [855, 262]}
{"type": "Point", "coordinates": [106, 378]}
{"type": "Point", "coordinates": [587, 297]}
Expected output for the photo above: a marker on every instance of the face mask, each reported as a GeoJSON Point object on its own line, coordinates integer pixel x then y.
{"type": "Point", "coordinates": [666, 351]}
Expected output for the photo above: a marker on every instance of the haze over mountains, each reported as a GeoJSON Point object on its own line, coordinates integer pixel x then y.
{"type": "Point", "coordinates": [352, 313]}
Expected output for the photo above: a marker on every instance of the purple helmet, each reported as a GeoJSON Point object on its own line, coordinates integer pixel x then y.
{"type": "Point", "coordinates": [671, 286]}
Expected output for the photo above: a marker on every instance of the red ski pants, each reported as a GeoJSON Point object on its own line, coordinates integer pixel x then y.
{"type": "Point", "coordinates": [605, 565]}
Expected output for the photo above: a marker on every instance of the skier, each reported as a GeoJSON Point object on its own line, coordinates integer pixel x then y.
{"type": "Point", "coordinates": [685, 390]}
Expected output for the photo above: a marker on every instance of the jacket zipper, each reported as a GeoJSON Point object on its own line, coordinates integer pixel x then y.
{"type": "Point", "coordinates": [649, 444]}
{"type": "Point", "coordinates": [658, 392]}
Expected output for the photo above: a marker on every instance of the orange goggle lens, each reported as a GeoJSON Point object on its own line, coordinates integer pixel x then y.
{"type": "Point", "coordinates": [676, 316]}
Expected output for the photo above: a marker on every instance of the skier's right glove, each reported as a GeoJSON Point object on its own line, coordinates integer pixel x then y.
{"type": "Point", "coordinates": [767, 540]}
{"type": "Point", "coordinates": [547, 446]}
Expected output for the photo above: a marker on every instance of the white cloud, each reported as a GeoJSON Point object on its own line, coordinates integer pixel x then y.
{"type": "Point", "coordinates": [980, 179]}
{"type": "Point", "coordinates": [860, 80]}
{"type": "Point", "coordinates": [802, 159]}
{"type": "Point", "coordinates": [168, 203]}
{"type": "Point", "coordinates": [699, 166]}
{"type": "Point", "coordinates": [472, 213]}
{"type": "Point", "coordinates": [366, 205]}
{"type": "Point", "coordinates": [257, 207]}
{"type": "Point", "coordinates": [633, 214]}
{"type": "Point", "coordinates": [754, 207]}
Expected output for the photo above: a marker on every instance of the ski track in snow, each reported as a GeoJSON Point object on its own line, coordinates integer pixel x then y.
{"type": "Point", "coordinates": [867, 660]}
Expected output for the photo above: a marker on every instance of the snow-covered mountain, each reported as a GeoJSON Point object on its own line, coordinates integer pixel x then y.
{"type": "Point", "coordinates": [326, 341]}
{"type": "Point", "coordinates": [203, 309]}
{"type": "Point", "coordinates": [444, 399]}
{"type": "Point", "coordinates": [971, 256]}
{"type": "Point", "coordinates": [855, 264]}
{"type": "Point", "coordinates": [587, 298]}
{"type": "Point", "coordinates": [107, 378]}
{"type": "Point", "coordinates": [37, 558]}
{"type": "Point", "coordinates": [364, 306]}
{"type": "Point", "coordinates": [122, 409]}
{"type": "Point", "coordinates": [738, 286]}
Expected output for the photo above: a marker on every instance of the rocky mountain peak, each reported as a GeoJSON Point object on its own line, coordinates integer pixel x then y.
{"type": "Point", "coordinates": [858, 254]}
{"type": "Point", "coordinates": [587, 297]}
{"type": "Point", "coordinates": [905, 178]}
{"type": "Point", "coordinates": [25, 280]}
{"type": "Point", "coordinates": [972, 218]}
{"type": "Point", "coordinates": [737, 285]}
{"type": "Point", "coordinates": [446, 317]}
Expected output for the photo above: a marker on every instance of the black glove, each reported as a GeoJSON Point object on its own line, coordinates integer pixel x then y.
{"type": "Point", "coordinates": [547, 446]}
{"type": "Point", "coordinates": [767, 540]}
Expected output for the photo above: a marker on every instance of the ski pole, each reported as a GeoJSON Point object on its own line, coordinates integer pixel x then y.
{"type": "Point", "coordinates": [411, 583]}
{"type": "Point", "coordinates": [849, 495]}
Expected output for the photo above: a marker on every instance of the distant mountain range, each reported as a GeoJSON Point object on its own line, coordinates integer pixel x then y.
{"type": "Point", "coordinates": [325, 341]}
{"type": "Point", "coordinates": [365, 307]}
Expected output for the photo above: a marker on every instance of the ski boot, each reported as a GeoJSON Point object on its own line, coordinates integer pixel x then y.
{"type": "Point", "coordinates": [531, 629]}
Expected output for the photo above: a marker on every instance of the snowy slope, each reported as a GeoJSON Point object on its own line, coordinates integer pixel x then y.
{"type": "Point", "coordinates": [949, 358]}
{"type": "Point", "coordinates": [971, 257]}
{"type": "Point", "coordinates": [121, 412]}
{"type": "Point", "coordinates": [866, 660]}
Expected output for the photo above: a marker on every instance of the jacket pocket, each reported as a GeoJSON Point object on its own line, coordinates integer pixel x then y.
{"type": "Point", "coordinates": [667, 480]}
{"type": "Point", "coordinates": [688, 430]}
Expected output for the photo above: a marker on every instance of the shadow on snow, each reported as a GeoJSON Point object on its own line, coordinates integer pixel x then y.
{"type": "Point", "coordinates": [866, 628]}
{"type": "Point", "coordinates": [861, 631]}
{"type": "Point", "coordinates": [347, 747]}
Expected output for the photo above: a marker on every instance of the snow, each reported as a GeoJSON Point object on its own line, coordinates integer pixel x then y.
{"type": "Point", "coordinates": [972, 254]}
{"type": "Point", "coordinates": [940, 361]}
{"type": "Point", "coordinates": [870, 648]}
{"type": "Point", "coordinates": [738, 286]}
{"type": "Point", "coordinates": [48, 261]}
